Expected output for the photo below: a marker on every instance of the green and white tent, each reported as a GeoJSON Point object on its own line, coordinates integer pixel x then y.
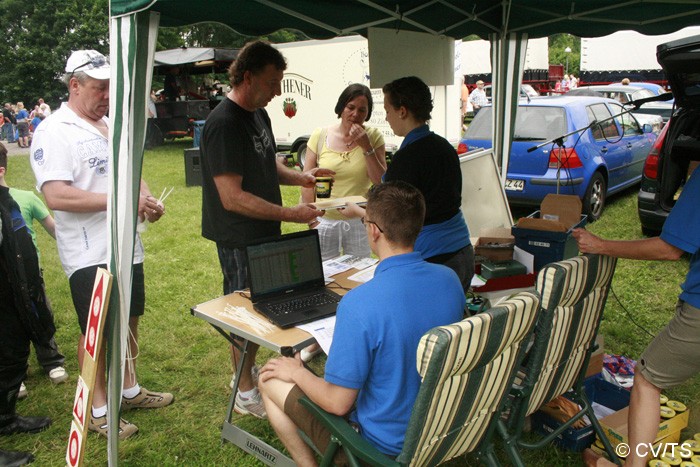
{"type": "Point", "coordinates": [506, 23]}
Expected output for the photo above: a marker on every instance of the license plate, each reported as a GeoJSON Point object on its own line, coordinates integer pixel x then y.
{"type": "Point", "coordinates": [514, 185]}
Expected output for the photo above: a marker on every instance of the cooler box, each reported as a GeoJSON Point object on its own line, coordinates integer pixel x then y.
{"type": "Point", "coordinates": [193, 167]}
{"type": "Point", "coordinates": [547, 246]}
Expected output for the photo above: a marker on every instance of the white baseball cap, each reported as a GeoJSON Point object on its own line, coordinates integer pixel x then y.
{"type": "Point", "coordinates": [90, 62]}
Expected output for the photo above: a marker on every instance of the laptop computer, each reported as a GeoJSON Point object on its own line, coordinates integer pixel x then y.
{"type": "Point", "coordinates": [286, 279]}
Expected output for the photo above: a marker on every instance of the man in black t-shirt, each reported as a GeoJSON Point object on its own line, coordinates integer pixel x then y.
{"type": "Point", "coordinates": [8, 122]}
{"type": "Point", "coordinates": [241, 198]}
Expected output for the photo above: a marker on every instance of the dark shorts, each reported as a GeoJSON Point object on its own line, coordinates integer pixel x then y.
{"type": "Point", "coordinates": [310, 425]}
{"type": "Point", "coordinates": [234, 267]}
{"type": "Point", "coordinates": [461, 262]}
{"type": "Point", "coordinates": [673, 356]}
{"type": "Point", "coordinates": [82, 282]}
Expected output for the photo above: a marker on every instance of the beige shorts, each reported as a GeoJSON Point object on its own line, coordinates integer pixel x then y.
{"type": "Point", "coordinates": [673, 356]}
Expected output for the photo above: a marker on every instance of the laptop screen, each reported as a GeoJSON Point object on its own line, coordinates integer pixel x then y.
{"type": "Point", "coordinates": [285, 264]}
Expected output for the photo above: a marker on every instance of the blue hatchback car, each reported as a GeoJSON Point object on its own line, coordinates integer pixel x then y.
{"type": "Point", "coordinates": [607, 154]}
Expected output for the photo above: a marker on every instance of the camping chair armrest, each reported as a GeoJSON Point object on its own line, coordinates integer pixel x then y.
{"type": "Point", "coordinates": [349, 439]}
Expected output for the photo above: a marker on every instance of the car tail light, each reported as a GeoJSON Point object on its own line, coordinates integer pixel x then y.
{"type": "Point", "coordinates": [569, 158]}
{"type": "Point", "coordinates": [462, 148]}
{"type": "Point", "coordinates": [651, 165]}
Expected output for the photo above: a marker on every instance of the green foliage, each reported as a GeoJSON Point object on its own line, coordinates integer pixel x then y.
{"type": "Point", "coordinates": [557, 55]}
{"type": "Point", "coordinates": [216, 35]}
{"type": "Point", "coordinates": [39, 38]}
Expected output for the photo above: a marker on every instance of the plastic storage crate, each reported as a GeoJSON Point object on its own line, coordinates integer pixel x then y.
{"type": "Point", "coordinates": [547, 247]}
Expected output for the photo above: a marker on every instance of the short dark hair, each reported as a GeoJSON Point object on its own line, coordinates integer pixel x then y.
{"type": "Point", "coordinates": [351, 92]}
{"type": "Point", "coordinates": [412, 93]}
{"type": "Point", "coordinates": [254, 57]}
{"type": "Point", "coordinates": [3, 156]}
{"type": "Point", "coordinates": [398, 208]}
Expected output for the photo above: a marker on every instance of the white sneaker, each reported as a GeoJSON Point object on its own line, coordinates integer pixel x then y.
{"type": "Point", "coordinates": [254, 372]}
{"type": "Point", "coordinates": [58, 375]}
{"type": "Point", "coordinates": [253, 406]}
{"type": "Point", "coordinates": [22, 391]}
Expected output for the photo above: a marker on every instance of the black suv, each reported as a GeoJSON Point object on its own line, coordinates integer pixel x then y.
{"type": "Point", "coordinates": [677, 150]}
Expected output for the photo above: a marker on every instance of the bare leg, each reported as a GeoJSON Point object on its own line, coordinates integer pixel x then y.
{"type": "Point", "coordinates": [130, 370]}
{"type": "Point", "coordinates": [643, 421]}
{"type": "Point", "coordinates": [246, 383]}
{"type": "Point", "coordinates": [274, 393]}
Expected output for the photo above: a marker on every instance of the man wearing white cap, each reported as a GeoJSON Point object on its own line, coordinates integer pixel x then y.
{"type": "Point", "coordinates": [478, 97]}
{"type": "Point", "coordinates": [70, 156]}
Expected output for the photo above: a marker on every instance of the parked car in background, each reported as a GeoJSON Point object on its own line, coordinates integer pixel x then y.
{"type": "Point", "coordinates": [605, 156]}
{"type": "Point", "coordinates": [628, 93]}
{"type": "Point", "coordinates": [526, 91]}
{"type": "Point", "coordinates": [677, 151]}
{"type": "Point", "coordinates": [656, 89]}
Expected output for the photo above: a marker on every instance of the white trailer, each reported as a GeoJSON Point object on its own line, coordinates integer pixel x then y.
{"type": "Point", "coordinates": [319, 70]}
{"type": "Point", "coordinates": [624, 51]}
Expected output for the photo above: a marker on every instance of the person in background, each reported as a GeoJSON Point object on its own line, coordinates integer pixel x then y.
{"type": "Point", "coordinates": [70, 159]}
{"type": "Point", "coordinates": [8, 124]}
{"type": "Point", "coordinates": [478, 97]}
{"type": "Point", "coordinates": [673, 356]}
{"type": "Point", "coordinates": [23, 308]}
{"type": "Point", "coordinates": [22, 118]}
{"type": "Point", "coordinates": [430, 163]}
{"type": "Point", "coordinates": [625, 81]}
{"type": "Point", "coordinates": [573, 81]}
{"type": "Point", "coordinates": [356, 154]}
{"type": "Point", "coordinates": [370, 375]}
{"type": "Point", "coordinates": [241, 197]}
{"type": "Point", "coordinates": [31, 208]}
{"type": "Point", "coordinates": [464, 100]}
{"type": "Point", "coordinates": [38, 117]}
{"type": "Point", "coordinates": [45, 108]}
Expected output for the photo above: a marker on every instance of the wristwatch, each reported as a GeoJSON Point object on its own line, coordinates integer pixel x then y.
{"type": "Point", "coordinates": [370, 152]}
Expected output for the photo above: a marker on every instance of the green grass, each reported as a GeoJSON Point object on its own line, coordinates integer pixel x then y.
{"type": "Point", "coordinates": [186, 356]}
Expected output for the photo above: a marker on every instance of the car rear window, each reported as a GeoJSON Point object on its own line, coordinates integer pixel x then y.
{"type": "Point", "coordinates": [532, 123]}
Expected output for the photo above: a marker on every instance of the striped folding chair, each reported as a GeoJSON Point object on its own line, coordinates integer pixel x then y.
{"type": "Point", "coordinates": [573, 294]}
{"type": "Point", "coordinates": [467, 369]}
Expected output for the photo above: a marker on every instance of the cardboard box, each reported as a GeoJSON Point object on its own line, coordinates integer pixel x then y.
{"type": "Point", "coordinates": [598, 390]}
{"type": "Point", "coordinates": [546, 239]}
{"type": "Point", "coordinates": [595, 364]}
{"type": "Point", "coordinates": [673, 438]}
{"type": "Point", "coordinates": [615, 426]}
{"type": "Point", "coordinates": [495, 244]}
{"type": "Point", "coordinates": [558, 213]}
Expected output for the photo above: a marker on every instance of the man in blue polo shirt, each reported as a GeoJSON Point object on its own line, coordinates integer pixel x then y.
{"type": "Point", "coordinates": [673, 356]}
{"type": "Point", "coordinates": [372, 360]}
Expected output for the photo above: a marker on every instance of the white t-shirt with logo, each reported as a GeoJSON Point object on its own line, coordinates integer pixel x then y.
{"type": "Point", "coordinates": [65, 147]}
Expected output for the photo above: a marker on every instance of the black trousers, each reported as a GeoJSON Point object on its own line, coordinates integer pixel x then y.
{"type": "Point", "coordinates": [14, 347]}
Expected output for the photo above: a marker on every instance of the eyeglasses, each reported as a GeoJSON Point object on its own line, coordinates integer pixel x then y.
{"type": "Point", "coordinates": [367, 221]}
{"type": "Point", "coordinates": [96, 62]}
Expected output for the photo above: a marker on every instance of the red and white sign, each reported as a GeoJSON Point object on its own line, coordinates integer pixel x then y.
{"type": "Point", "coordinates": [80, 403]}
{"type": "Point", "coordinates": [92, 335]}
{"type": "Point", "coordinates": [75, 446]}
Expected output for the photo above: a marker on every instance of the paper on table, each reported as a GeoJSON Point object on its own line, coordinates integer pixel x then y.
{"type": "Point", "coordinates": [477, 281]}
{"type": "Point", "coordinates": [322, 331]}
{"type": "Point", "coordinates": [364, 276]}
{"type": "Point", "coordinates": [334, 266]}
{"type": "Point", "coordinates": [336, 203]}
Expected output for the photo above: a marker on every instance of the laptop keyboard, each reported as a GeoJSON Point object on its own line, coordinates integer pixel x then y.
{"type": "Point", "coordinates": [302, 303]}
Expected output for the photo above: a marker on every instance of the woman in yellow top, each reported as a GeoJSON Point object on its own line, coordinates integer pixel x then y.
{"type": "Point", "coordinates": [356, 154]}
